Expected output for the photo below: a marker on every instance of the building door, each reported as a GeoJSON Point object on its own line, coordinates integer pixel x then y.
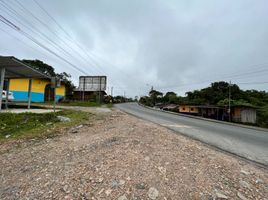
{"type": "Point", "coordinates": [49, 93]}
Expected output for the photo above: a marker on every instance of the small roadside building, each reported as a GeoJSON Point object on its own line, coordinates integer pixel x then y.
{"type": "Point", "coordinates": [244, 114]}
{"type": "Point", "coordinates": [41, 90]}
{"type": "Point", "coordinates": [188, 109]}
{"type": "Point", "coordinates": [207, 111]}
{"type": "Point", "coordinates": [239, 113]}
{"type": "Point", "coordinates": [26, 83]}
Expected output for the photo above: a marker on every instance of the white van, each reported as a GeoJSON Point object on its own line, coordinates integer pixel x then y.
{"type": "Point", "coordinates": [10, 95]}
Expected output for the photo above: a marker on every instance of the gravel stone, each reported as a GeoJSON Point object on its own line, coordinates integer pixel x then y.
{"type": "Point", "coordinates": [220, 196]}
{"type": "Point", "coordinates": [128, 153]}
{"type": "Point", "coordinates": [153, 193]}
{"type": "Point", "coordinates": [241, 196]}
{"type": "Point", "coordinates": [122, 197]}
{"type": "Point", "coordinates": [140, 186]}
{"type": "Point", "coordinates": [245, 172]}
{"type": "Point", "coordinates": [244, 184]}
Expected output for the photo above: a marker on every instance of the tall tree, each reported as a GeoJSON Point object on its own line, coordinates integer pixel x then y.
{"type": "Point", "coordinates": [170, 97]}
{"type": "Point", "coordinates": [41, 66]}
{"type": "Point", "coordinates": [155, 96]}
{"type": "Point", "coordinates": [50, 71]}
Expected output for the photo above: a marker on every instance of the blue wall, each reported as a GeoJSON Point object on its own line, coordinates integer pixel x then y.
{"type": "Point", "coordinates": [35, 96]}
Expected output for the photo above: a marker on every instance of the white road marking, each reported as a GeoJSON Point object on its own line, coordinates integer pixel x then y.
{"type": "Point", "coordinates": [176, 125]}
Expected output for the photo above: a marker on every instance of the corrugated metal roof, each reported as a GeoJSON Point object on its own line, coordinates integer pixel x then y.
{"type": "Point", "coordinates": [15, 68]}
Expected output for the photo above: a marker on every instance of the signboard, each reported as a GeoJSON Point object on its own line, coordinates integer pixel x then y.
{"type": "Point", "coordinates": [92, 83]}
{"type": "Point", "coordinates": [55, 83]}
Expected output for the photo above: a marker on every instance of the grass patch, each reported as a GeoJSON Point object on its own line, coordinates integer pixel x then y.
{"type": "Point", "coordinates": [29, 125]}
{"type": "Point", "coordinates": [109, 105]}
{"type": "Point", "coordinates": [80, 103]}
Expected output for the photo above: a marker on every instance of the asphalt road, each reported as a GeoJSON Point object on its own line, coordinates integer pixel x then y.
{"type": "Point", "coordinates": [245, 142]}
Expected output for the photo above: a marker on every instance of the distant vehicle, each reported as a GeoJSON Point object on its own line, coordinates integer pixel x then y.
{"type": "Point", "coordinates": [10, 95]}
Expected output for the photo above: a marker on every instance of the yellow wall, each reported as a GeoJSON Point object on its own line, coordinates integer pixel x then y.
{"type": "Point", "coordinates": [61, 90]}
{"type": "Point", "coordinates": [18, 84]}
{"type": "Point", "coordinates": [38, 85]}
{"type": "Point", "coordinates": [188, 109]}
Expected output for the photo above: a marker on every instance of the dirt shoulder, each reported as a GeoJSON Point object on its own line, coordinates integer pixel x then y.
{"type": "Point", "coordinates": [121, 157]}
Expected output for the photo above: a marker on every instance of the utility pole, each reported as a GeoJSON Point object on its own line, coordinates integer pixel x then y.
{"type": "Point", "coordinates": [84, 85]}
{"type": "Point", "coordinates": [100, 91]}
{"type": "Point", "coordinates": [112, 88]}
{"type": "Point", "coordinates": [229, 110]}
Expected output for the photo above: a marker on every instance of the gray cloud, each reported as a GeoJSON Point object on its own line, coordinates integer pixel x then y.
{"type": "Point", "coordinates": [171, 45]}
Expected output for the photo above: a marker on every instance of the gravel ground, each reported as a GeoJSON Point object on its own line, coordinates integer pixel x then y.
{"type": "Point", "coordinates": [121, 157]}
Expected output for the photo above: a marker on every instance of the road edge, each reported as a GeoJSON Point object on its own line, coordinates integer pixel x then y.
{"type": "Point", "coordinates": [216, 148]}
{"type": "Point", "coordinates": [207, 119]}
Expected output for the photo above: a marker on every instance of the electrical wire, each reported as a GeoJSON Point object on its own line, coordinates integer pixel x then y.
{"type": "Point", "coordinates": [90, 56]}
{"type": "Point", "coordinates": [15, 27]}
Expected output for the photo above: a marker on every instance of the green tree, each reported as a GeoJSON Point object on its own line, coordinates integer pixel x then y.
{"type": "Point", "coordinates": [66, 79]}
{"type": "Point", "coordinates": [216, 92]}
{"type": "Point", "coordinates": [170, 97]}
{"type": "Point", "coordinates": [50, 71]}
{"type": "Point", "coordinates": [145, 100]}
{"type": "Point", "coordinates": [155, 96]}
{"type": "Point", "coordinates": [41, 66]}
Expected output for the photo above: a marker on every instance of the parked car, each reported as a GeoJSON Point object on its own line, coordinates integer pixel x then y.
{"type": "Point", "coordinates": [10, 95]}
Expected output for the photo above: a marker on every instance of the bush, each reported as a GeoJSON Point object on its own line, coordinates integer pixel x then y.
{"type": "Point", "coordinates": [262, 117]}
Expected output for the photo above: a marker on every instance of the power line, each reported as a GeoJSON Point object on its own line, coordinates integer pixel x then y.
{"type": "Point", "coordinates": [15, 27]}
{"type": "Point", "coordinates": [70, 39]}
{"type": "Point", "coordinates": [55, 34]}
{"type": "Point", "coordinates": [18, 39]}
{"type": "Point", "coordinates": [11, 10]}
{"type": "Point", "coordinates": [47, 39]}
{"type": "Point", "coordinates": [89, 55]}
{"type": "Point", "coordinates": [42, 35]}
{"type": "Point", "coordinates": [59, 48]}
{"type": "Point", "coordinates": [237, 75]}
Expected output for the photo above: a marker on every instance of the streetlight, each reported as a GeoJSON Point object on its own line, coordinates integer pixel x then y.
{"type": "Point", "coordinates": [229, 110]}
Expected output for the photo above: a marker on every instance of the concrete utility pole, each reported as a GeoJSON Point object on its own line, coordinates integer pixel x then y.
{"type": "Point", "coordinates": [229, 110]}
{"type": "Point", "coordinates": [100, 92]}
{"type": "Point", "coordinates": [112, 88]}
{"type": "Point", "coordinates": [55, 99]}
{"type": "Point", "coordinates": [2, 77]}
{"type": "Point", "coordinates": [29, 93]}
{"type": "Point", "coordinates": [84, 85]}
{"type": "Point", "coordinates": [7, 92]}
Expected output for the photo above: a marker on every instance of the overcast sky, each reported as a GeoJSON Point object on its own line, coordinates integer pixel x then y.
{"type": "Point", "coordinates": [170, 45]}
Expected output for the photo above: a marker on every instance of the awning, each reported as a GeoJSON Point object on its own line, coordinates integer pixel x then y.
{"type": "Point", "coordinates": [14, 68]}
{"type": "Point", "coordinates": [11, 68]}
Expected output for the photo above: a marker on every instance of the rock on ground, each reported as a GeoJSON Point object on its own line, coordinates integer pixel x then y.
{"type": "Point", "coordinates": [153, 193]}
{"type": "Point", "coordinates": [121, 157]}
{"type": "Point", "coordinates": [63, 119]}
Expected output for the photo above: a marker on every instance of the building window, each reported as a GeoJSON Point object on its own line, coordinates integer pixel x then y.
{"type": "Point", "coordinates": [183, 108]}
{"type": "Point", "coordinates": [192, 109]}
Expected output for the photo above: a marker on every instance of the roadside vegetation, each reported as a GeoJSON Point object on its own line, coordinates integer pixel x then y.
{"type": "Point", "coordinates": [85, 104]}
{"type": "Point", "coordinates": [30, 125]}
{"type": "Point", "coordinates": [216, 94]}
{"type": "Point", "coordinates": [79, 103]}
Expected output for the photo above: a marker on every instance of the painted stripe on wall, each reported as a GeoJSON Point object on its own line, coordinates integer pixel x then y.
{"type": "Point", "coordinates": [35, 96]}
{"type": "Point", "coordinates": [38, 86]}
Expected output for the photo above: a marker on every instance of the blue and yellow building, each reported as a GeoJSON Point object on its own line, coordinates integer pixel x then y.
{"type": "Point", "coordinates": [41, 90]}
